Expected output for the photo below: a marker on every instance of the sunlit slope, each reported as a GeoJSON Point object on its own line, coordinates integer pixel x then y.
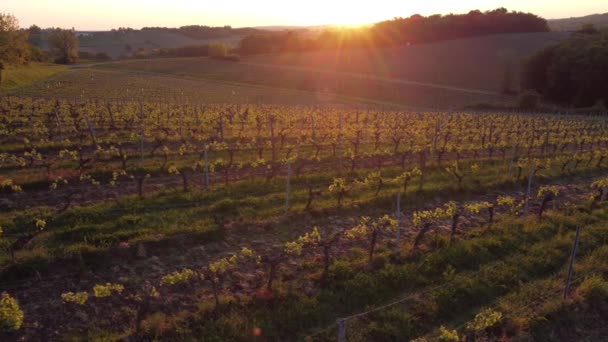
{"type": "Point", "coordinates": [573, 24]}
{"type": "Point", "coordinates": [15, 77]}
{"type": "Point", "coordinates": [478, 63]}
{"type": "Point", "coordinates": [323, 82]}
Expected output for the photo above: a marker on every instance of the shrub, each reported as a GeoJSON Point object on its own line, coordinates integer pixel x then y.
{"type": "Point", "coordinates": [79, 298]}
{"type": "Point", "coordinates": [11, 316]}
{"type": "Point", "coordinates": [177, 277]}
{"type": "Point", "coordinates": [446, 335]}
{"type": "Point", "coordinates": [486, 318]}
{"type": "Point", "coordinates": [341, 271]}
{"type": "Point", "coordinates": [101, 291]}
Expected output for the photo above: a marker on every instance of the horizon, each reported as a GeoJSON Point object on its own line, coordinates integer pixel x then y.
{"type": "Point", "coordinates": [113, 14]}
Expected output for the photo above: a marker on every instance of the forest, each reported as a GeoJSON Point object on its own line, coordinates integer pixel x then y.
{"type": "Point", "coordinates": [572, 73]}
{"type": "Point", "coordinates": [399, 31]}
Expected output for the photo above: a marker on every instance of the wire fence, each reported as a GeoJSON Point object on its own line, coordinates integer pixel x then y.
{"type": "Point", "coordinates": [341, 323]}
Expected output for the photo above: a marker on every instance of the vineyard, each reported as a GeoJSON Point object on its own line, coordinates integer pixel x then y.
{"type": "Point", "coordinates": [85, 82]}
{"type": "Point", "coordinates": [152, 219]}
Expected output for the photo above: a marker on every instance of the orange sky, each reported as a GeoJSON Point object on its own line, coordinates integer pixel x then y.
{"type": "Point", "coordinates": [107, 14]}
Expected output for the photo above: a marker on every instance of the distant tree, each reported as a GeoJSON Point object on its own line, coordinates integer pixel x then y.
{"type": "Point", "coordinates": [398, 31]}
{"type": "Point", "coordinates": [14, 48]}
{"type": "Point", "coordinates": [34, 29]}
{"type": "Point", "coordinates": [257, 43]}
{"type": "Point", "coordinates": [206, 32]}
{"type": "Point", "coordinates": [185, 51]}
{"type": "Point", "coordinates": [64, 45]}
{"type": "Point", "coordinates": [39, 55]}
{"type": "Point", "coordinates": [218, 50]}
{"type": "Point", "coordinates": [588, 29]}
{"type": "Point", "coordinates": [571, 73]}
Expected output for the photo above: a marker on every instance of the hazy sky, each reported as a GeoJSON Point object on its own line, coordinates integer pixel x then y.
{"type": "Point", "coordinates": [103, 15]}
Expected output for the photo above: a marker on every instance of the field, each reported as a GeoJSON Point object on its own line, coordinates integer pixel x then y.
{"type": "Point", "coordinates": [149, 40]}
{"type": "Point", "coordinates": [171, 217]}
{"type": "Point", "coordinates": [294, 197]}
{"type": "Point", "coordinates": [446, 75]}
{"type": "Point", "coordinates": [202, 79]}
{"type": "Point", "coordinates": [115, 46]}
{"type": "Point", "coordinates": [473, 63]}
{"type": "Point", "coordinates": [87, 82]}
{"type": "Point", "coordinates": [17, 77]}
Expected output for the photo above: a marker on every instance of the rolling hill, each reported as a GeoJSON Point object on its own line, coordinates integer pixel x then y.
{"type": "Point", "coordinates": [476, 63]}
{"type": "Point", "coordinates": [572, 24]}
{"type": "Point", "coordinates": [117, 46]}
{"type": "Point", "coordinates": [450, 74]}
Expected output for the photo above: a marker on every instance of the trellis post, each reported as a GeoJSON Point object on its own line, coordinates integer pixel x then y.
{"type": "Point", "coordinates": [571, 266]}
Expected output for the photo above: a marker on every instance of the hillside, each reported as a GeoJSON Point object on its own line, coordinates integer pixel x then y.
{"type": "Point", "coordinates": [116, 45]}
{"type": "Point", "coordinates": [14, 77]}
{"type": "Point", "coordinates": [119, 45]}
{"type": "Point", "coordinates": [451, 74]}
{"type": "Point", "coordinates": [574, 23]}
{"type": "Point", "coordinates": [477, 63]}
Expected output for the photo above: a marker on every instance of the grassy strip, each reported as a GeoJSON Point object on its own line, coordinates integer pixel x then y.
{"type": "Point", "coordinates": [533, 310]}
{"type": "Point", "coordinates": [102, 226]}
{"type": "Point", "coordinates": [514, 252]}
{"type": "Point", "coordinates": [14, 77]}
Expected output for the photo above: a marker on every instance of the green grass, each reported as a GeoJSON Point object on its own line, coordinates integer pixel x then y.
{"type": "Point", "coordinates": [507, 268]}
{"type": "Point", "coordinates": [171, 213]}
{"type": "Point", "coordinates": [483, 268]}
{"type": "Point", "coordinates": [14, 77]}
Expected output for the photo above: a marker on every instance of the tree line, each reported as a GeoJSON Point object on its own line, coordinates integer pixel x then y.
{"type": "Point", "coordinates": [206, 32]}
{"type": "Point", "coordinates": [399, 31]}
{"type": "Point", "coordinates": [573, 72]}
{"type": "Point", "coordinates": [17, 46]}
